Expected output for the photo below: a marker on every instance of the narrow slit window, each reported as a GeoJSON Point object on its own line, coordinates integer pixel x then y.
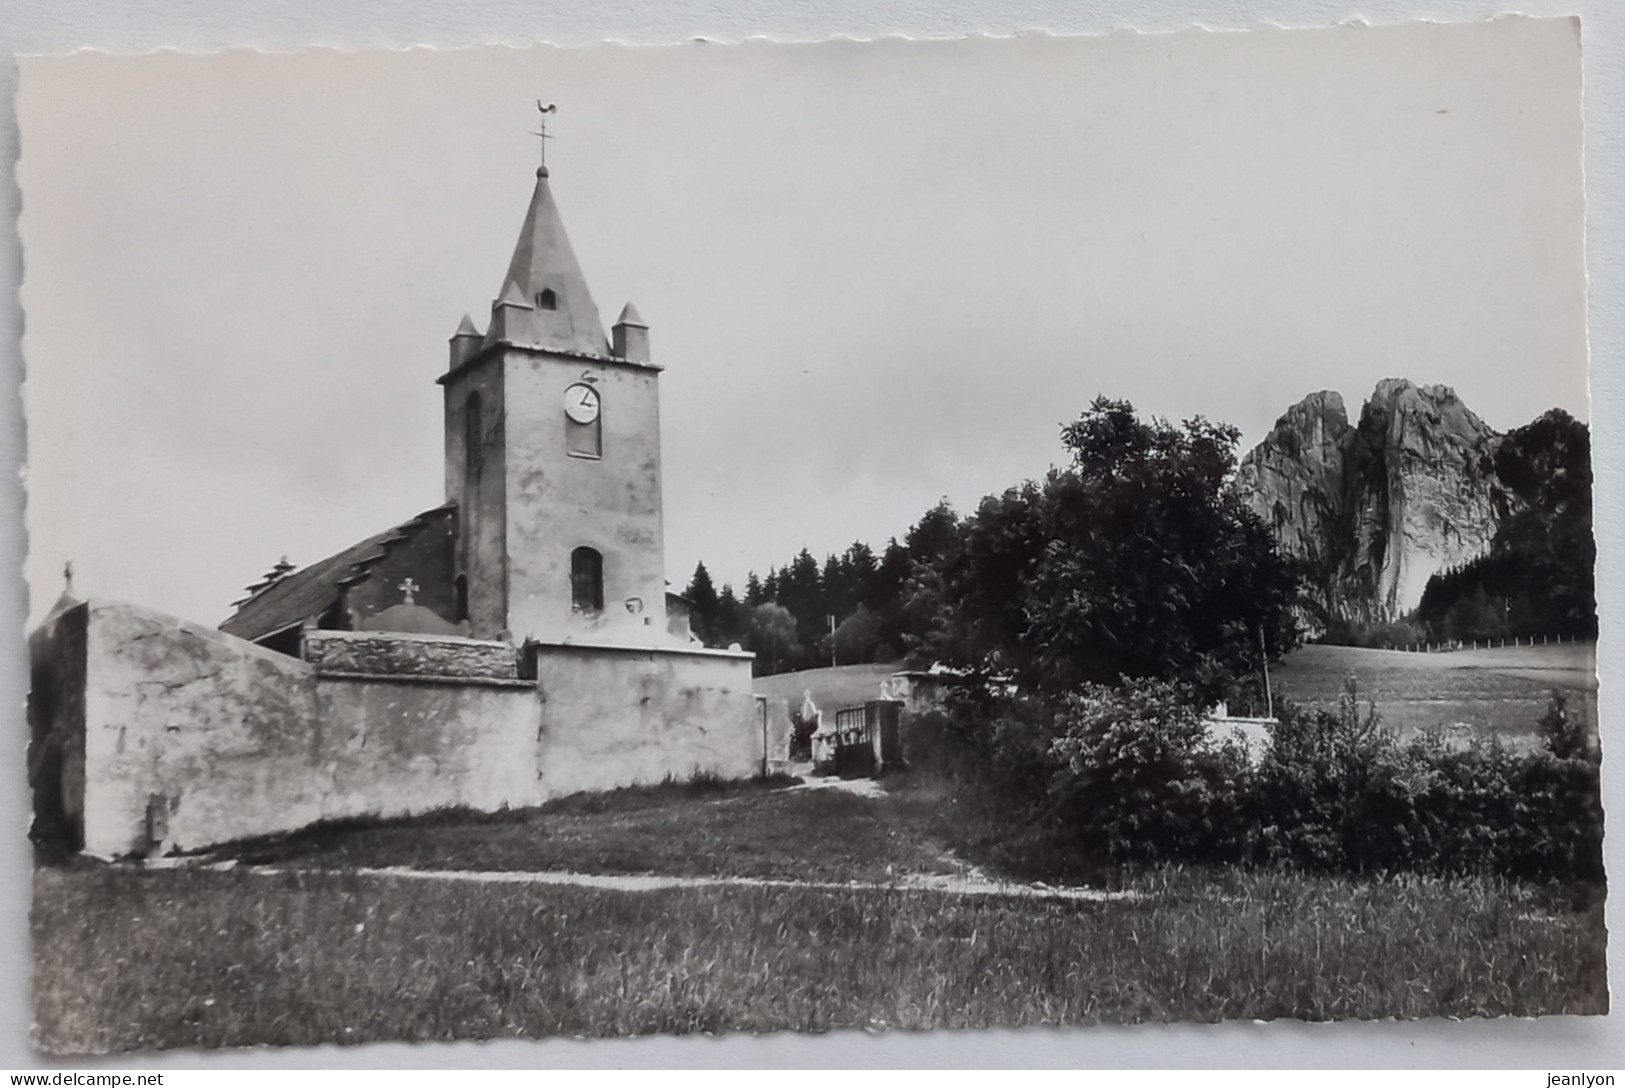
{"type": "Point", "coordinates": [473, 436]}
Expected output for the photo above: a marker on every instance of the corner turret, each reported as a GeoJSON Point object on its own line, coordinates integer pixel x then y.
{"type": "Point", "coordinates": [465, 342]}
{"type": "Point", "coordinates": [631, 336]}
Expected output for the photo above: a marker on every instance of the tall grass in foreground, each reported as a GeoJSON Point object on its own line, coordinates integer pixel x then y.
{"type": "Point", "coordinates": [127, 960]}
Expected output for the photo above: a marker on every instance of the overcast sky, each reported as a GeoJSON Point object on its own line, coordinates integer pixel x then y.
{"type": "Point", "coordinates": [877, 273]}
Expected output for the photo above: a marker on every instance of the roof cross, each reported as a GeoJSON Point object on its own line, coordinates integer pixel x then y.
{"type": "Point", "coordinates": [408, 587]}
{"type": "Point", "coordinates": [67, 577]}
{"type": "Point", "coordinates": [541, 130]}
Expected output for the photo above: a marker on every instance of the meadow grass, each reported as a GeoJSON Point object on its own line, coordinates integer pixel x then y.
{"type": "Point", "coordinates": [738, 829]}
{"type": "Point", "coordinates": [126, 959]}
{"type": "Point", "coordinates": [831, 688]}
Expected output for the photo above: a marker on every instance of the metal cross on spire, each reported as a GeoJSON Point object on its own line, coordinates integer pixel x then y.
{"type": "Point", "coordinates": [541, 131]}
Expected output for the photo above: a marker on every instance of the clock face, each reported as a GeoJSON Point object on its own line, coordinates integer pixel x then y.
{"type": "Point", "coordinates": [581, 403]}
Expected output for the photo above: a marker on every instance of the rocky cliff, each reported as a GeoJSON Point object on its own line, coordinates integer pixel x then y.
{"type": "Point", "coordinates": [1375, 509]}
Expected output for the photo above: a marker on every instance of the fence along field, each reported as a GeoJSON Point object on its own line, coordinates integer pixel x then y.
{"type": "Point", "coordinates": [1500, 692]}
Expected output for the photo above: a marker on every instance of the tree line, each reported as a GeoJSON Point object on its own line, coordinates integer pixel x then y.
{"type": "Point", "coordinates": [1538, 576]}
{"type": "Point", "coordinates": [786, 616]}
{"type": "Point", "coordinates": [1132, 560]}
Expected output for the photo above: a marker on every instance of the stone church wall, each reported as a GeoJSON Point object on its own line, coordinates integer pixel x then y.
{"type": "Point", "coordinates": [179, 736]}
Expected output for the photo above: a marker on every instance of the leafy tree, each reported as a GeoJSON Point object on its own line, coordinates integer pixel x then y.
{"type": "Point", "coordinates": [1132, 562]}
{"type": "Point", "coordinates": [771, 633]}
{"type": "Point", "coordinates": [857, 638]}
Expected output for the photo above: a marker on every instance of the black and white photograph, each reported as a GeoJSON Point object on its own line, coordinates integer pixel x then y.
{"type": "Point", "coordinates": [608, 540]}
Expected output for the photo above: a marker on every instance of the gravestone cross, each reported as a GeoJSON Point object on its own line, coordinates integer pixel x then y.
{"type": "Point", "coordinates": [408, 587]}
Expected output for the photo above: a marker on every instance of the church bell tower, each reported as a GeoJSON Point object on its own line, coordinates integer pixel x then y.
{"type": "Point", "coordinates": [553, 456]}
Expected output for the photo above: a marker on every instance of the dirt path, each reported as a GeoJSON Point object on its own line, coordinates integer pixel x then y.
{"type": "Point", "coordinates": [941, 884]}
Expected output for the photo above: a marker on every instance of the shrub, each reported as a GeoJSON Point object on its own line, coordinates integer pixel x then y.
{"type": "Point", "coordinates": [1139, 777]}
{"type": "Point", "coordinates": [1563, 735]}
{"type": "Point", "coordinates": [1337, 792]}
{"type": "Point", "coordinates": [1131, 773]}
{"type": "Point", "coordinates": [1374, 636]}
{"type": "Point", "coordinates": [1333, 791]}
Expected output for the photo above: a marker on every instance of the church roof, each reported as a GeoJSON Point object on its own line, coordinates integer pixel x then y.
{"type": "Point", "coordinates": [544, 262]}
{"type": "Point", "coordinates": [307, 593]}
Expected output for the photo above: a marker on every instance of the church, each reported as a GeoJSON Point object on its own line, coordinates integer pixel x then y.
{"type": "Point", "coordinates": [513, 644]}
{"type": "Point", "coordinates": [551, 529]}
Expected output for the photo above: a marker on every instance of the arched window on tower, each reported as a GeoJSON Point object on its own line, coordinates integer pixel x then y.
{"type": "Point", "coordinates": [586, 580]}
{"type": "Point", "coordinates": [473, 436]}
{"type": "Point", "coordinates": [546, 299]}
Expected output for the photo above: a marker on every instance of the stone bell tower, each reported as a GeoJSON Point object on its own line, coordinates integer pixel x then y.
{"type": "Point", "coordinates": [553, 456]}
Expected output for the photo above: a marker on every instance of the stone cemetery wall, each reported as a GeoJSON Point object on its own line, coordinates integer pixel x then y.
{"type": "Point", "coordinates": [191, 736]}
{"type": "Point", "coordinates": [618, 716]}
{"type": "Point", "coordinates": [170, 736]}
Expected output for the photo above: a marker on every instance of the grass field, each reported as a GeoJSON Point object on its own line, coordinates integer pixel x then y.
{"type": "Point", "coordinates": [730, 830]}
{"type": "Point", "coordinates": [832, 688]}
{"type": "Point", "coordinates": [317, 952]}
{"type": "Point", "coordinates": [1502, 691]}
{"type": "Point", "coordinates": [918, 826]}
{"type": "Point", "coordinates": [128, 959]}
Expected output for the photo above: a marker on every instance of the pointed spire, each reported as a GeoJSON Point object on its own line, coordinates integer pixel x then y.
{"type": "Point", "coordinates": [67, 600]}
{"type": "Point", "coordinates": [630, 316]}
{"type": "Point", "coordinates": [466, 327]}
{"type": "Point", "coordinates": [546, 279]}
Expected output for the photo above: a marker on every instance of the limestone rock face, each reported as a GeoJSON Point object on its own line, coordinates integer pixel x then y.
{"type": "Point", "coordinates": [1376, 509]}
{"type": "Point", "coordinates": [1295, 480]}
